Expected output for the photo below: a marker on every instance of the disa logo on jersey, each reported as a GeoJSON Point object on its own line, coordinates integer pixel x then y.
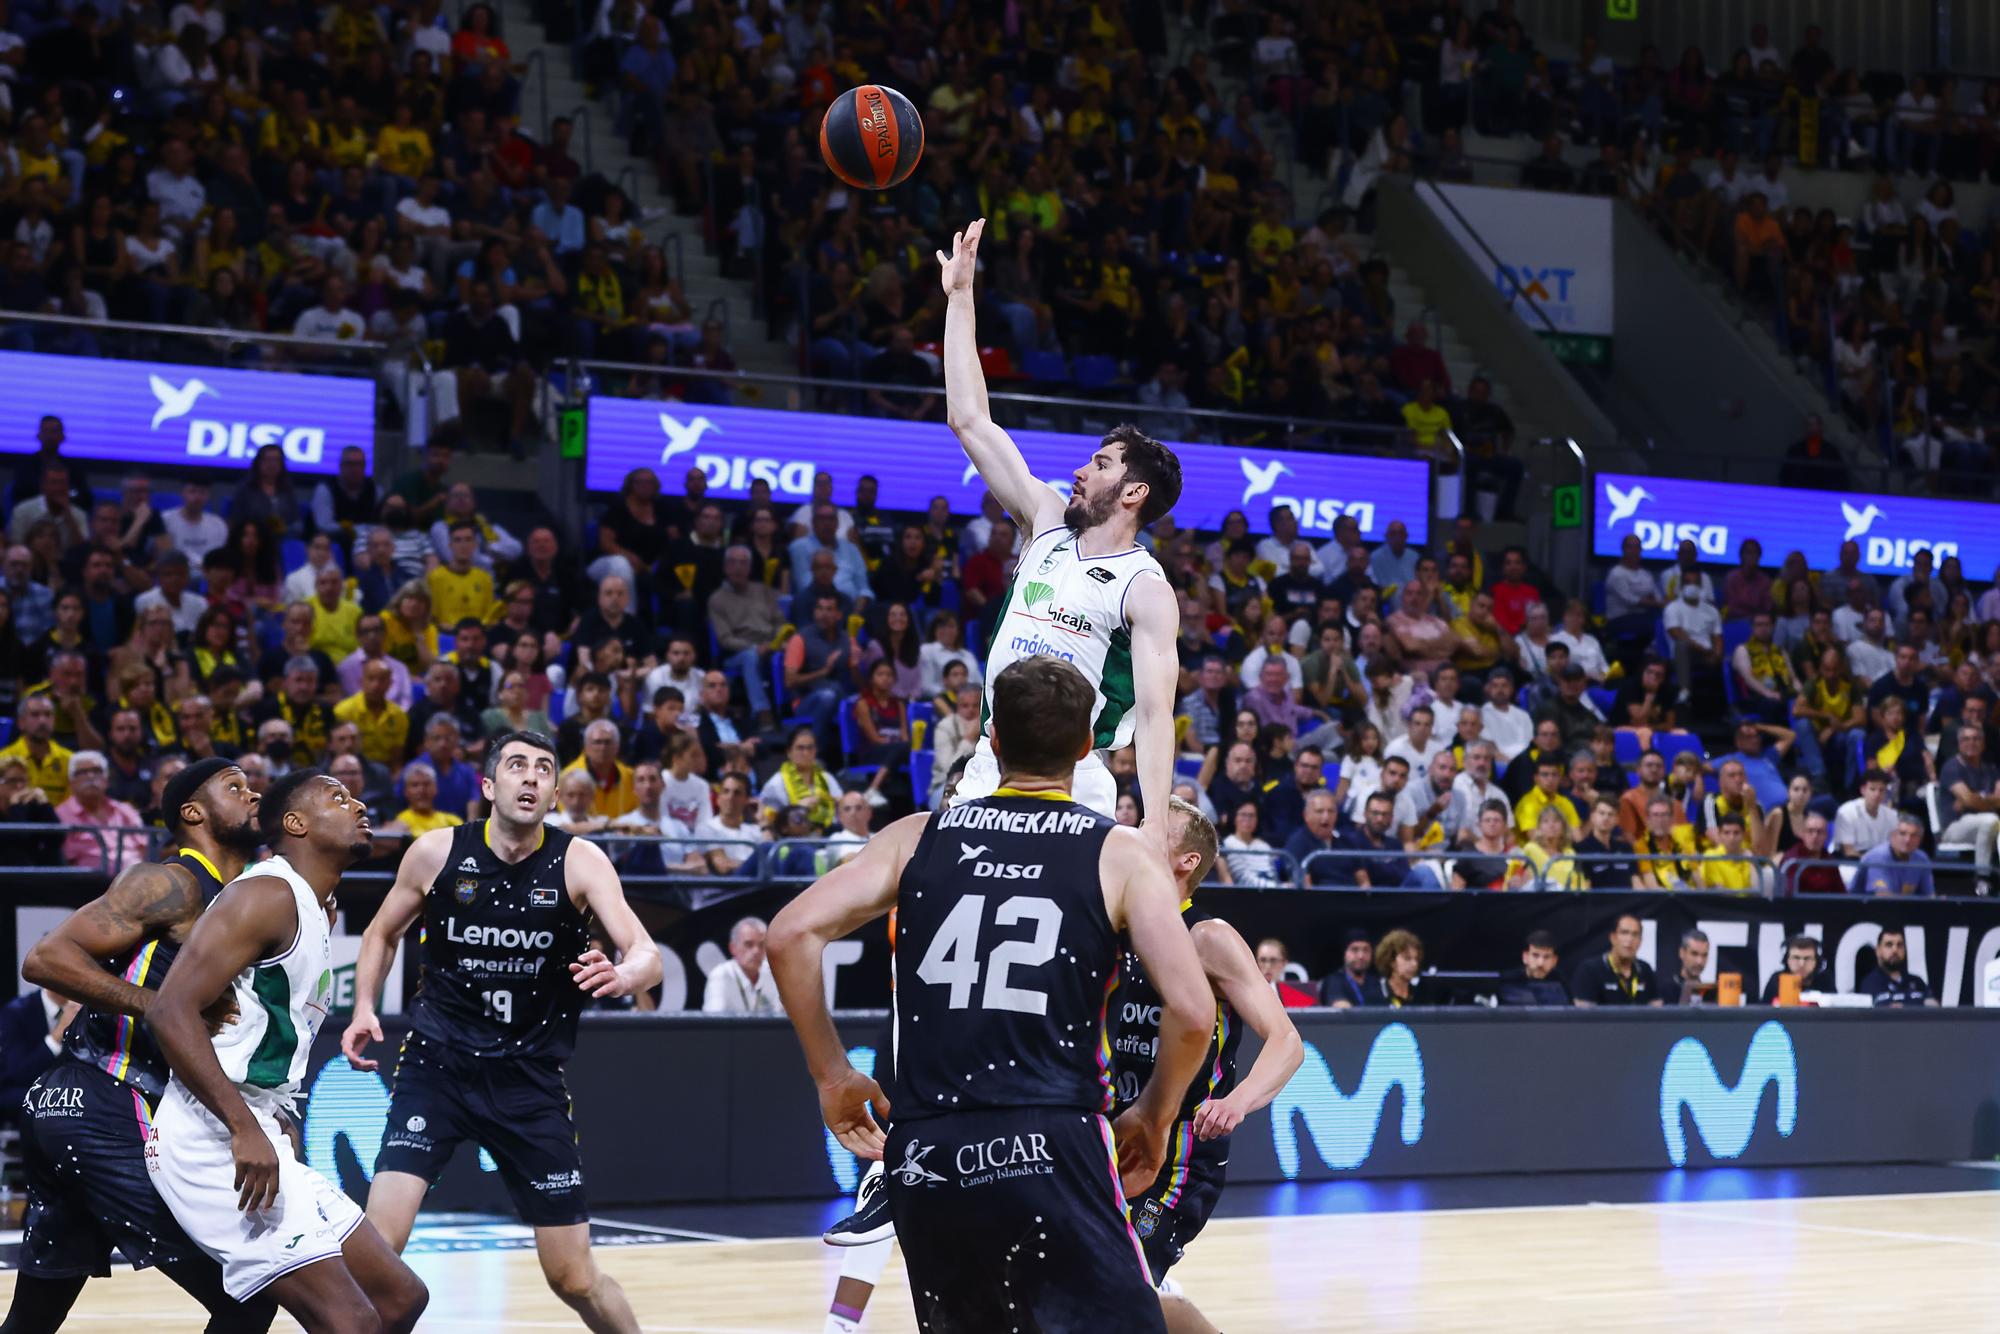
{"type": "Point", "coordinates": [734, 472]}
{"type": "Point", "coordinates": [214, 437]}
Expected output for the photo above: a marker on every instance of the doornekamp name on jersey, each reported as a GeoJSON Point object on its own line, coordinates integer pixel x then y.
{"type": "Point", "coordinates": [1019, 822]}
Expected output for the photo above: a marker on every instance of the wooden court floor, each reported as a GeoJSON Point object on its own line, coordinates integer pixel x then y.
{"type": "Point", "coordinates": [1929, 1261]}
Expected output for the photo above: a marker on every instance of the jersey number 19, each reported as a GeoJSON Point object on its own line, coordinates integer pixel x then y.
{"type": "Point", "coordinates": [953, 958]}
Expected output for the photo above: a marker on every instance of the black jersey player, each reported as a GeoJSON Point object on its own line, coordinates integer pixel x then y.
{"type": "Point", "coordinates": [1003, 1180]}
{"type": "Point", "coordinates": [506, 965]}
{"type": "Point", "coordinates": [86, 1120]}
{"type": "Point", "coordinates": [1168, 1213]}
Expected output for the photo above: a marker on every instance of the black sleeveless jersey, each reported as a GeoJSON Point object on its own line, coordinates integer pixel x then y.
{"type": "Point", "coordinates": [118, 1044]}
{"type": "Point", "coordinates": [498, 940]}
{"type": "Point", "coordinates": [1004, 959]}
{"type": "Point", "coordinates": [1135, 1036]}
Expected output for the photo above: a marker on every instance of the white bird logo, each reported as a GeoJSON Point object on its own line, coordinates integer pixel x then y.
{"type": "Point", "coordinates": [1859, 521]}
{"type": "Point", "coordinates": [1624, 503]}
{"type": "Point", "coordinates": [175, 402]}
{"type": "Point", "coordinates": [680, 439]}
{"type": "Point", "coordinates": [971, 471]}
{"type": "Point", "coordinates": [1259, 479]}
{"type": "Point", "coordinates": [967, 853]}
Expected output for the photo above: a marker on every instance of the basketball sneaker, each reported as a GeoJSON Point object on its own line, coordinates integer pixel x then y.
{"type": "Point", "coordinates": [870, 1222]}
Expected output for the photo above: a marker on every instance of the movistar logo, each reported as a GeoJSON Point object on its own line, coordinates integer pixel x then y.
{"type": "Point", "coordinates": [1726, 1117]}
{"type": "Point", "coordinates": [1343, 1126]}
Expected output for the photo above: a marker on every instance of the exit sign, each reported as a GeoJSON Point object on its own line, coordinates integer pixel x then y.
{"type": "Point", "coordinates": [1622, 10]}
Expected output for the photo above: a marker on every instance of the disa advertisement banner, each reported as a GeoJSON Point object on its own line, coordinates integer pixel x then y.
{"type": "Point", "coordinates": [914, 461]}
{"type": "Point", "coordinates": [170, 415]}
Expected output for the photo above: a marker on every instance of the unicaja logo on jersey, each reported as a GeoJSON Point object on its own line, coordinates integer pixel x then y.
{"type": "Point", "coordinates": [1343, 1127]}
{"type": "Point", "coordinates": [217, 437]}
{"type": "Point", "coordinates": [1726, 1117]}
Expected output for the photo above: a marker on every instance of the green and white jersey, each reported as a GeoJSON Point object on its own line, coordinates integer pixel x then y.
{"type": "Point", "coordinates": [1073, 607]}
{"type": "Point", "coordinates": [280, 1001]}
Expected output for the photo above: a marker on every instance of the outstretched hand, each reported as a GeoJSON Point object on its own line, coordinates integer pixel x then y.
{"type": "Point", "coordinates": [958, 267]}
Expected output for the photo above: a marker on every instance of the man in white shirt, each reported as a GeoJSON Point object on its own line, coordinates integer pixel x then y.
{"type": "Point", "coordinates": [177, 190]}
{"type": "Point", "coordinates": [1695, 627]}
{"type": "Point", "coordinates": [331, 320]}
{"type": "Point", "coordinates": [1869, 655]}
{"type": "Point", "coordinates": [854, 813]}
{"type": "Point", "coordinates": [1770, 183]}
{"type": "Point", "coordinates": [1762, 50]}
{"type": "Point", "coordinates": [1433, 796]}
{"type": "Point", "coordinates": [1277, 548]}
{"type": "Point", "coordinates": [1867, 820]}
{"type": "Point", "coordinates": [302, 583]}
{"type": "Point", "coordinates": [726, 839]}
{"type": "Point", "coordinates": [801, 520]}
{"type": "Point", "coordinates": [421, 216]}
{"type": "Point", "coordinates": [650, 817]}
{"type": "Point", "coordinates": [190, 527]}
{"type": "Point", "coordinates": [1728, 183]}
{"type": "Point", "coordinates": [1508, 725]}
{"type": "Point", "coordinates": [677, 671]}
{"type": "Point", "coordinates": [741, 984]}
{"type": "Point", "coordinates": [1686, 569]}
{"type": "Point", "coordinates": [1628, 589]}
{"type": "Point", "coordinates": [1419, 745]}
{"type": "Point", "coordinates": [171, 573]}
{"type": "Point", "coordinates": [1475, 782]}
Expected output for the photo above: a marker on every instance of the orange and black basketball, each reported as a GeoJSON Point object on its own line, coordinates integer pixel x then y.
{"type": "Point", "coordinates": [872, 137]}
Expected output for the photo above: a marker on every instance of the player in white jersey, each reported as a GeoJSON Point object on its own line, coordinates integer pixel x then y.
{"type": "Point", "coordinates": [1085, 591]}
{"type": "Point", "coordinates": [217, 1155]}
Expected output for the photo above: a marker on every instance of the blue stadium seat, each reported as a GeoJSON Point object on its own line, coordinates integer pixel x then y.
{"type": "Point", "coordinates": [1045, 367]}
{"type": "Point", "coordinates": [1670, 744]}
{"type": "Point", "coordinates": [1734, 633]}
{"type": "Point", "coordinates": [1603, 697]}
{"type": "Point", "coordinates": [291, 553]}
{"type": "Point", "coordinates": [1095, 371]}
{"type": "Point", "coordinates": [920, 776]}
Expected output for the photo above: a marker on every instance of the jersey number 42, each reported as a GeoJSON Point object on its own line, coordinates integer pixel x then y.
{"type": "Point", "coordinates": [953, 958]}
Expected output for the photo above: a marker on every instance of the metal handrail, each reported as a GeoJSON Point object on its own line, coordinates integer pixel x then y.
{"type": "Point", "coordinates": [1388, 437]}
{"type": "Point", "coordinates": [537, 63]}
{"type": "Point", "coordinates": [673, 246]}
{"type": "Point", "coordinates": [581, 121]}
{"type": "Point", "coordinates": [189, 331]}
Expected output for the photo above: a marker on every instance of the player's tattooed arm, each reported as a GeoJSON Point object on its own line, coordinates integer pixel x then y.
{"type": "Point", "coordinates": [145, 900]}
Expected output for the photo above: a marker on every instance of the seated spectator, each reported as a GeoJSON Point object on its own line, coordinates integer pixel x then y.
{"type": "Point", "coordinates": [1694, 627]}
{"type": "Point", "coordinates": [1507, 726]}
{"type": "Point", "coordinates": [420, 814]}
{"type": "Point", "coordinates": [1668, 847]}
{"type": "Point", "coordinates": [1968, 801]}
{"type": "Point", "coordinates": [1738, 875]}
{"type": "Point", "coordinates": [1900, 865]}
{"type": "Point", "coordinates": [1618, 976]}
{"type": "Point", "coordinates": [1546, 794]}
{"type": "Point", "coordinates": [23, 803]}
{"type": "Point", "coordinates": [1399, 957]}
{"type": "Point", "coordinates": [384, 728]}
{"type": "Point", "coordinates": [612, 776]}
{"type": "Point", "coordinates": [1685, 986]}
{"type": "Point", "coordinates": [1316, 834]}
{"type": "Point", "coordinates": [1802, 962]}
{"type": "Point", "coordinates": [855, 816]}
{"type": "Point", "coordinates": [575, 793]}
{"type": "Point", "coordinates": [1272, 960]}
{"type": "Point", "coordinates": [801, 782]}
{"type": "Point", "coordinates": [1535, 982]}
{"type": "Point", "coordinates": [727, 839]}
{"type": "Point", "coordinates": [1618, 867]}
{"type": "Point", "coordinates": [89, 803]}
{"type": "Point", "coordinates": [818, 663]}
{"type": "Point", "coordinates": [1891, 982]}
{"type": "Point", "coordinates": [1544, 858]}
{"type": "Point", "coordinates": [1380, 864]}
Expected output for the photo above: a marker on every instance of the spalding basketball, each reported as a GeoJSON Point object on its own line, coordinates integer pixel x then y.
{"type": "Point", "coordinates": [872, 137]}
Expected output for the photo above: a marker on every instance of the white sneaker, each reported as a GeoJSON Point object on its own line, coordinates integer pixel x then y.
{"type": "Point", "coordinates": [870, 1222]}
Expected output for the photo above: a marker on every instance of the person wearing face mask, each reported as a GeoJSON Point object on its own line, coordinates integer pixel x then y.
{"type": "Point", "coordinates": [1695, 628]}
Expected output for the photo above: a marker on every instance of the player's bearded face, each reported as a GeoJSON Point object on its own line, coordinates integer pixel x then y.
{"type": "Point", "coordinates": [1089, 508]}
{"type": "Point", "coordinates": [238, 831]}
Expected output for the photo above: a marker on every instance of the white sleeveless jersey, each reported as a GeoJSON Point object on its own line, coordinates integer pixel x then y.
{"type": "Point", "coordinates": [280, 1001]}
{"type": "Point", "coordinates": [1073, 607]}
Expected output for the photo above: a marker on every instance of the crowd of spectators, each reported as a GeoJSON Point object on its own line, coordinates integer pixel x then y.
{"type": "Point", "coordinates": [1895, 305]}
{"type": "Point", "coordinates": [332, 171]}
{"type": "Point", "coordinates": [1380, 716]}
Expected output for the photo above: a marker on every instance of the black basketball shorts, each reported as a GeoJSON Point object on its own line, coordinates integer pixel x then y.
{"type": "Point", "coordinates": [1012, 1219]}
{"type": "Point", "coordinates": [1176, 1206]}
{"type": "Point", "coordinates": [517, 1110]}
{"type": "Point", "coordinates": [83, 1146]}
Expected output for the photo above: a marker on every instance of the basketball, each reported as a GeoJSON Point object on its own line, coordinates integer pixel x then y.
{"type": "Point", "coordinates": [872, 137]}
